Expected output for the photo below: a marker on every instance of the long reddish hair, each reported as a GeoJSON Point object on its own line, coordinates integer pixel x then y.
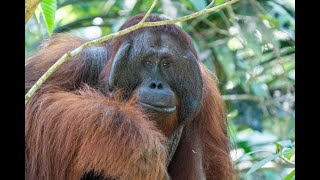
{"type": "Point", "coordinates": [72, 129]}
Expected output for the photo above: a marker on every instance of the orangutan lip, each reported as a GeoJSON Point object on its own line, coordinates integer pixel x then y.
{"type": "Point", "coordinates": [158, 108]}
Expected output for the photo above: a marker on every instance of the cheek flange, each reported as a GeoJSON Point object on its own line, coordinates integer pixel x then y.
{"type": "Point", "coordinates": [119, 62]}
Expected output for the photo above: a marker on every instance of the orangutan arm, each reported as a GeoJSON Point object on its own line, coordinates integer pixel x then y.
{"type": "Point", "coordinates": [71, 133]}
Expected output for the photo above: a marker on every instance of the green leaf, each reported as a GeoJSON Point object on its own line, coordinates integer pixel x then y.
{"type": "Point", "coordinates": [263, 162]}
{"type": "Point", "coordinates": [199, 4]}
{"type": "Point", "coordinates": [247, 154]}
{"type": "Point", "coordinates": [290, 153]}
{"type": "Point", "coordinates": [272, 21]}
{"type": "Point", "coordinates": [218, 2]}
{"type": "Point", "coordinates": [278, 147]}
{"type": "Point", "coordinates": [291, 175]}
{"type": "Point", "coordinates": [187, 4]}
{"type": "Point", "coordinates": [148, 3]}
{"type": "Point", "coordinates": [136, 8]}
{"type": "Point", "coordinates": [49, 8]}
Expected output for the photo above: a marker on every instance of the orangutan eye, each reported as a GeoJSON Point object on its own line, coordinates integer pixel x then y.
{"type": "Point", "coordinates": [166, 64]}
{"type": "Point", "coordinates": [148, 63]}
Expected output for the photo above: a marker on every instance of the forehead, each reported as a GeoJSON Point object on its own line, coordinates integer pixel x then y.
{"type": "Point", "coordinates": [149, 41]}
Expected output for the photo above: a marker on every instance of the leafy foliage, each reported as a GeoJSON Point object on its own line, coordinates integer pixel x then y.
{"type": "Point", "coordinates": [249, 46]}
{"type": "Point", "coordinates": [263, 162]}
{"type": "Point", "coordinates": [49, 11]}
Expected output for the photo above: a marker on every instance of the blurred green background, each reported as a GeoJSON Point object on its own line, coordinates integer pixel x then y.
{"type": "Point", "coordinates": [250, 46]}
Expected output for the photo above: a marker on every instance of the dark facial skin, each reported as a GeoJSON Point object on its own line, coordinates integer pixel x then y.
{"type": "Point", "coordinates": [161, 71]}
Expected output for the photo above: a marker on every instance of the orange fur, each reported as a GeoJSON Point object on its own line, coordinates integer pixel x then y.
{"type": "Point", "coordinates": [71, 129]}
{"type": "Point", "coordinates": [68, 134]}
{"type": "Point", "coordinates": [203, 152]}
{"type": "Point", "coordinates": [213, 130]}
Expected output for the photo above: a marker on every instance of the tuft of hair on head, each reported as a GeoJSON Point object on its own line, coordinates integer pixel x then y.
{"type": "Point", "coordinates": [172, 29]}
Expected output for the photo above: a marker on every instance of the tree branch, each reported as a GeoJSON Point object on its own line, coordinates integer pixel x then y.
{"type": "Point", "coordinates": [148, 12]}
{"type": "Point", "coordinates": [30, 6]}
{"type": "Point", "coordinates": [209, 5]}
{"type": "Point", "coordinates": [191, 16]}
{"type": "Point", "coordinates": [233, 97]}
{"type": "Point", "coordinates": [141, 24]}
